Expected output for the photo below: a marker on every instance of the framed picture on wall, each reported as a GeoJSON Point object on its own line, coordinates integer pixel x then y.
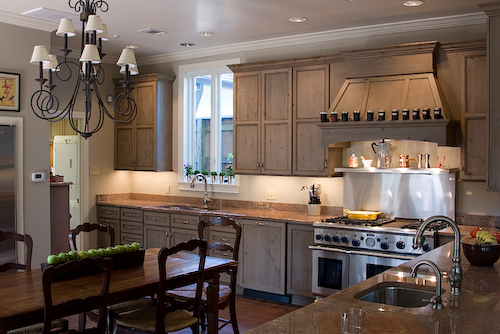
{"type": "Point", "coordinates": [9, 91]}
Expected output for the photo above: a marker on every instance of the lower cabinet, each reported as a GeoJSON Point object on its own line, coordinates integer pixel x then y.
{"type": "Point", "coordinates": [263, 256]}
{"type": "Point", "coordinates": [108, 215]}
{"type": "Point", "coordinates": [299, 260]}
{"type": "Point", "coordinates": [156, 229]}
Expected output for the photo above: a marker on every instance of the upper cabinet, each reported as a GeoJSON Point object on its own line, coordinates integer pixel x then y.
{"type": "Point", "coordinates": [146, 142]}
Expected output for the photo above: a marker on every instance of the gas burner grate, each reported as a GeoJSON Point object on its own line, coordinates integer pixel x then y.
{"type": "Point", "coordinates": [434, 226]}
{"type": "Point", "coordinates": [358, 222]}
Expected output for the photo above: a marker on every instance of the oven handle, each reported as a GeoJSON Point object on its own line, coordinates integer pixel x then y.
{"type": "Point", "coordinates": [359, 252]}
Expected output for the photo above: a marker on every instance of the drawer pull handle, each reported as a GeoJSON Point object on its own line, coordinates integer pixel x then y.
{"type": "Point", "coordinates": [131, 227]}
{"type": "Point", "coordinates": [224, 239]}
{"type": "Point", "coordinates": [185, 222]}
{"type": "Point", "coordinates": [225, 254]}
{"type": "Point", "coordinates": [262, 224]}
{"type": "Point", "coordinates": [109, 212]}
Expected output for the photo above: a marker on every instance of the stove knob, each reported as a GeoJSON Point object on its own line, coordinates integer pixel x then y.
{"type": "Point", "coordinates": [319, 237]}
{"type": "Point", "coordinates": [345, 239]}
{"type": "Point", "coordinates": [335, 238]}
{"type": "Point", "coordinates": [328, 237]}
{"type": "Point", "coordinates": [400, 245]}
{"type": "Point", "coordinates": [370, 242]}
{"type": "Point", "coordinates": [426, 247]}
{"type": "Point", "coordinates": [384, 245]}
{"type": "Point", "coordinates": [356, 243]}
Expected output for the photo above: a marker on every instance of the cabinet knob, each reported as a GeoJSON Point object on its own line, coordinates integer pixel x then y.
{"type": "Point", "coordinates": [261, 223]}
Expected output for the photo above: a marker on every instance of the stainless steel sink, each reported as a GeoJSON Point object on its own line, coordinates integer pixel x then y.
{"type": "Point", "coordinates": [183, 207]}
{"type": "Point", "coordinates": [398, 294]}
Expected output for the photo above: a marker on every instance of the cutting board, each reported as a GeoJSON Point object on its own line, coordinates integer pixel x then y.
{"type": "Point", "coordinates": [376, 323]}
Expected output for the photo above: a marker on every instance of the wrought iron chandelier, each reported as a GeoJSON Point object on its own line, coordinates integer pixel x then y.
{"type": "Point", "coordinates": [90, 73]}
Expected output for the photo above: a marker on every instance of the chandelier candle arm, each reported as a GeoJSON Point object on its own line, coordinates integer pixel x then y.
{"type": "Point", "coordinates": [45, 104]}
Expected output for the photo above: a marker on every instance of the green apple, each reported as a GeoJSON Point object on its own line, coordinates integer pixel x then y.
{"type": "Point", "coordinates": [92, 252]}
{"type": "Point", "coordinates": [101, 252]}
{"type": "Point", "coordinates": [73, 255]}
{"type": "Point", "coordinates": [118, 249]}
{"type": "Point", "coordinates": [52, 259]}
{"type": "Point", "coordinates": [82, 254]}
{"type": "Point", "coordinates": [110, 250]}
{"type": "Point", "coordinates": [135, 246]}
{"type": "Point", "coordinates": [63, 257]}
{"type": "Point", "coordinates": [127, 248]}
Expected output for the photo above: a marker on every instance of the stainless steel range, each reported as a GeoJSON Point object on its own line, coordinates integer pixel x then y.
{"type": "Point", "coordinates": [347, 251]}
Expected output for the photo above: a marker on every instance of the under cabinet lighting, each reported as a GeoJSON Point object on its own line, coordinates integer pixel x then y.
{"type": "Point", "coordinates": [413, 3]}
{"type": "Point", "coordinates": [298, 19]}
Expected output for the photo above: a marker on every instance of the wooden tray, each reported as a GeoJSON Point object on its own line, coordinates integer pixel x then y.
{"type": "Point", "coordinates": [120, 261]}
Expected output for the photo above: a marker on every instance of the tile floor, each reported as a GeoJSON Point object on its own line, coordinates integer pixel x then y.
{"type": "Point", "coordinates": [250, 312]}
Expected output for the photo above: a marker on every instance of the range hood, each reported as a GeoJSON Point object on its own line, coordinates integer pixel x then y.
{"type": "Point", "coordinates": [399, 77]}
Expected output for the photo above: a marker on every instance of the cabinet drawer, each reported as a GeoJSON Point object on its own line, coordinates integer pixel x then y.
{"type": "Point", "coordinates": [131, 228]}
{"type": "Point", "coordinates": [131, 214]}
{"type": "Point", "coordinates": [184, 221]}
{"type": "Point", "coordinates": [127, 238]}
{"type": "Point", "coordinates": [112, 212]}
{"type": "Point", "coordinates": [223, 238]}
{"type": "Point", "coordinates": [156, 218]}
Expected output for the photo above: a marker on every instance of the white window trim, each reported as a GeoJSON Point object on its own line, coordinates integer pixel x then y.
{"type": "Point", "coordinates": [185, 136]}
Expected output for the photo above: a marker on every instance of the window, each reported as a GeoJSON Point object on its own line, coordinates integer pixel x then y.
{"type": "Point", "coordinates": [207, 117]}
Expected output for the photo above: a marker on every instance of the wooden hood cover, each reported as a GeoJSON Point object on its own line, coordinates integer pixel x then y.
{"type": "Point", "coordinates": [400, 77]}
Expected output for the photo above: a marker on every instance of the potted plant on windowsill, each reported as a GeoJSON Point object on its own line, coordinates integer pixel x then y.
{"type": "Point", "coordinates": [213, 176]}
{"type": "Point", "coordinates": [230, 174]}
{"type": "Point", "coordinates": [221, 177]}
{"type": "Point", "coordinates": [196, 172]}
{"type": "Point", "coordinates": [188, 171]}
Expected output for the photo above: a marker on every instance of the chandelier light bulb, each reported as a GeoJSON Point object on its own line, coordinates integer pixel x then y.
{"type": "Point", "coordinates": [40, 54]}
{"type": "Point", "coordinates": [127, 57]}
{"type": "Point", "coordinates": [94, 24]}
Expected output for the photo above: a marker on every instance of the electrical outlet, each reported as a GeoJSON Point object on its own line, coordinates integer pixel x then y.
{"type": "Point", "coordinates": [94, 170]}
{"type": "Point", "coordinates": [271, 194]}
{"type": "Point", "coordinates": [167, 189]}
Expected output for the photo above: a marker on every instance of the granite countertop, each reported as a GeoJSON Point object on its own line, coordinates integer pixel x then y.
{"type": "Point", "coordinates": [475, 311]}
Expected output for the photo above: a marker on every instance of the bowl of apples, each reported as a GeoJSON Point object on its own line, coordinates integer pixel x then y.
{"type": "Point", "coordinates": [481, 248]}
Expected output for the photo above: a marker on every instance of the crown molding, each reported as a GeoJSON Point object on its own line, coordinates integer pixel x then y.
{"type": "Point", "coordinates": [27, 22]}
{"type": "Point", "coordinates": [320, 37]}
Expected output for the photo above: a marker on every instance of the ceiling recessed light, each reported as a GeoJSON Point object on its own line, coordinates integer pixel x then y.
{"type": "Point", "coordinates": [188, 44]}
{"type": "Point", "coordinates": [297, 19]}
{"type": "Point", "coordinates": [413, 3]}
{"type": "Point", "coordinates": [205, 33]}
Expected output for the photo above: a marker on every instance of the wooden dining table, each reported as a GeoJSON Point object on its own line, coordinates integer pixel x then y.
{"type": "Point", "coordinates": [22, 300]}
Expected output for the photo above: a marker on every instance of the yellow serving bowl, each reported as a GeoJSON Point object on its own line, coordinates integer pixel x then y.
{"type": "Point", "coordinates": [364, 215]}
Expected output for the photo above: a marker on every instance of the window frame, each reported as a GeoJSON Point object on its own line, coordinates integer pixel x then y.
{"type": "Point", "coordinates": [186, 134]}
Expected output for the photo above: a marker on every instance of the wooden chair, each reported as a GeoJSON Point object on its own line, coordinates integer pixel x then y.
{"type": "Point", "coordinates": [116, 309]}
{"type": "Point", "coordinates": [78, 305]}
{"type": "Point", "coordinates": [165, 317]}
{"type": "Point", "coordinates": [26, 238]}
{"type": "Point", "coordinates": [58, 325]}
{"type": "Point", "coordinates": [227, 296]}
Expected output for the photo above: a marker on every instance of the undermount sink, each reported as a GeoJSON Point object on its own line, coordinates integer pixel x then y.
{"type": "Point", "coordinates": [398, 294]}
{"type": "Point", "coordinates": [182, 207]}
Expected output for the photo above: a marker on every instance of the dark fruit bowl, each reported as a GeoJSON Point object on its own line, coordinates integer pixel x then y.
{"type": "Point", "coordinates": [484, 255]}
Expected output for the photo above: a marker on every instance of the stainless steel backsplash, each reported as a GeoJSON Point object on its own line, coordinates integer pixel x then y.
{"type": "Point", "coordinates": [401, 195]}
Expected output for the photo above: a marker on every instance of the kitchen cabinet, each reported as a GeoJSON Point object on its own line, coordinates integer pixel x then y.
{"type": "Point", "coordinates": [263, 122]}
{"type": "Point", "coordinates": [146, 142]}
{"type": "Point", "coordinates": [131, 226]}
{"type": "Point", "coordinates": [263, 256]}
{"type": "Point", "coordinates": [109, 216]}
{"type": "Point", "coordinates": [156, 229]}
{"type": "Point", "coordinates": [299, 260]}
{"type": "Point", "coordinates": [183, 227]}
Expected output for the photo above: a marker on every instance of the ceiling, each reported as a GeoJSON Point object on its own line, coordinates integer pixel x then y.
{"type": "Point", "coordinates": [233, 22]}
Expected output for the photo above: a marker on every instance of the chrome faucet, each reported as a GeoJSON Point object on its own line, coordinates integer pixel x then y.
{"type": "Point", "coordinates": [206, 198]}
{"type": "Point", "coordinates": [456, 274]}
{"type": "Point", "coordinates": [437, 303]}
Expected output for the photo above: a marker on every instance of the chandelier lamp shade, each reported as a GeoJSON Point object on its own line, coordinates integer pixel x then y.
{"type": "Point", "coordinates": [87, 73]}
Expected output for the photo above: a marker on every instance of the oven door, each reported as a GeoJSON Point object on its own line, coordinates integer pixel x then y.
{"type": "Point", "coordinates": [329, 270]}
{"type": "Point", "coordinates": [363, 265]}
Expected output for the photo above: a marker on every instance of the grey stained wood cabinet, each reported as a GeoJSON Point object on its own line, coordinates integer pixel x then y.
{"type": "Point", "coordinates": [108, 215]}
{"type": "Point", "coordinates": [299, 260]}
{"type": "Point", "coordinates": [263, 256]}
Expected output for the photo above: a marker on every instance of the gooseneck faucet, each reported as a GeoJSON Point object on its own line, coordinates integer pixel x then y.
{"type": "Point", "coordinates": [437, 303]}
{"type": "Point", "coordinates": [206, 198]}
{"type": "Point", "coordinates": [456, 274]}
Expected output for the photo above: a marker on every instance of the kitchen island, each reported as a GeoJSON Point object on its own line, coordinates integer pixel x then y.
{"type": "Point", "coordinates": [475, 311]}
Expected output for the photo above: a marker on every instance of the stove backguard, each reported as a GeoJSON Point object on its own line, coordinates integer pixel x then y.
{"type": "Point", "coordinates": [401, 195]}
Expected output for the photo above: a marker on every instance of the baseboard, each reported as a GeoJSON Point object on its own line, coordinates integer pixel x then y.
{"type": "Point", "coordinates": [272, 297]}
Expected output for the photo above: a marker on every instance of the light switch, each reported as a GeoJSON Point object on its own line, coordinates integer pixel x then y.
{"type": "Point", "coordinates": [94, 170]}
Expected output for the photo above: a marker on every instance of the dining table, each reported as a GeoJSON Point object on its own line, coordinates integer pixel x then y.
{"type": "Point", "coordinates": [22, 299]}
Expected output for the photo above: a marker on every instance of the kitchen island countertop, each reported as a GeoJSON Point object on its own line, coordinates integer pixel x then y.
{"type": "Point", "coordinates": [475, 311]}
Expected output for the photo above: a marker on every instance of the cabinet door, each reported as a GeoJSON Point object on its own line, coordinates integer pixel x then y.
{"type": "Point", "coordinates": [180, 235]}
{"type": "Point", "coordinates": [103, 236]}
{"type": "Point", "coordinates": [145, 126]}
{"type": "Point", "coordinates": [263, 256]}
{"type": "Point", "coordinates": [124, 138]}
{"type": "Point", "coordinates": [474, 106]}
{"type": "Point", "coordinates": [299, 260]}
{"type": "Point", "coordinates": [156, 236]}
{"type": "Point", "coordinates": [246, 123]}
{"type": "Point", "coordinates": [310, 97]}
{"type": "Point", "coordinates": [276, 125]}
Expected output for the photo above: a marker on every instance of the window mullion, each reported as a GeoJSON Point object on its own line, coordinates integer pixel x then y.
{"type": "Point", "coordinates": [215, 124]}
